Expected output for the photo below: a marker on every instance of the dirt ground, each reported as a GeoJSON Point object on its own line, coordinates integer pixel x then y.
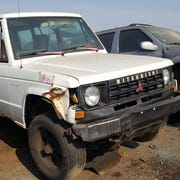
{"type": "Point", "coordinates": [158, 159]}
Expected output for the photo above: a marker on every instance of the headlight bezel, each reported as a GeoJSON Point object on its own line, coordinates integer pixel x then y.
{"type": "Point", "coordinates": [92, 96]}
{"type": "Point", "coordinates": [103, 100]}
{"type": "Point", "coordinates": [166, 76]}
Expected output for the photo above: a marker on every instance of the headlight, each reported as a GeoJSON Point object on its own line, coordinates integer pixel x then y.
{"type": "Point", "coordinates": [92, 96]}
{"type": "Point", "coordinates": [166, 76]}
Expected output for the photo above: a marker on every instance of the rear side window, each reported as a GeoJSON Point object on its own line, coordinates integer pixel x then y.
{"type": "Point", "coordinates": [130, 40]}
{"type": "Point", "coordinates": [107, 40]}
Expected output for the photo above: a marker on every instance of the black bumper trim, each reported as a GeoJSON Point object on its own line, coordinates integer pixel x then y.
{"type": "Point", "coordinates": [132, 121]}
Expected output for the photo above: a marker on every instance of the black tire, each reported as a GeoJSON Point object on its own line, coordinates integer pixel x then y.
{"type": "Point", "coordinates": [55, 153]}
{"type": "Point", "coordinates": [147, 136]}
{"type": "Point", "coordinates": [150, 135]}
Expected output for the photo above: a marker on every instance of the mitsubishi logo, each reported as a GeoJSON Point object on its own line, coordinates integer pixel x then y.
{"type": "Point", "coordinates": [140, 87]}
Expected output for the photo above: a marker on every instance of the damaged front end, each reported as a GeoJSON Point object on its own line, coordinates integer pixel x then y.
{"type": "Point", "coordinates": [119, 107]}
{"type": "Point", "coordinates": [64, 103]}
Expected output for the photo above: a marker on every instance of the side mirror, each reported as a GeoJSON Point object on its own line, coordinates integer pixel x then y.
{"type": "Point", "coordinates": [147, 45]}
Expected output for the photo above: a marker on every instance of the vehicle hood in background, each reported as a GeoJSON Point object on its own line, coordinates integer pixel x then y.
{"type": "Point", "coordinates": [172, 52]}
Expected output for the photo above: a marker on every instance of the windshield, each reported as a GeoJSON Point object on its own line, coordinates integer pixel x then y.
{"type": "Point", "coordinates": [32, 35]}
{"type": "Point", "coordinates": [166, 36]}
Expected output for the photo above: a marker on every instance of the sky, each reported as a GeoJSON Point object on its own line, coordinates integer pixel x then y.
{"type": "Point", "coordinates": [104, 14]}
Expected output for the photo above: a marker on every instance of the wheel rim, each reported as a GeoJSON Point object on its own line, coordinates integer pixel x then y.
{"type": "Point", "coordinates": [48, 149]}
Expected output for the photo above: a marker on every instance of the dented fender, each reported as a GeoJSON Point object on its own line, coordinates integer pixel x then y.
{"type": "Point", "coordinates": [58, 97]}
{"type": "Point", "coordinates": [60, 100]}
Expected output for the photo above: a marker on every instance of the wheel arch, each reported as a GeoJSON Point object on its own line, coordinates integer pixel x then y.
{"type": "Point", "coordinates": [35, 105]}
{"type": "Point", "coordinates": [54, 100]}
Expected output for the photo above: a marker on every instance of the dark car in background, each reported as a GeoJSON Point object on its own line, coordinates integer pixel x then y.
{"type": "Point", "coordinates": [143, 39]}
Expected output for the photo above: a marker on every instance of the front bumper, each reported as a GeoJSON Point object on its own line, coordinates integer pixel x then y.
{"type": "Point", "coordinates": [128, 123]}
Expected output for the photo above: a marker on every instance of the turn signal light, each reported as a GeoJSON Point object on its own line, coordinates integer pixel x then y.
{"type": "Point", "coordinates": [74, 98]}
{"type": "Point", "coordinates": [79, 115]}
{"type": "Point", "coordinates": [175, 88]}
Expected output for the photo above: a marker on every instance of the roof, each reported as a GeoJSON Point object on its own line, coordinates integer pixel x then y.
{"type": "Point", "coordinates": [38, 14]}
{"type": "Point", "coordinates": [128, 27]}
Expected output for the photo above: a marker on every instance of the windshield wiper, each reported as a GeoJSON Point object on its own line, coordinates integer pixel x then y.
{"type": "Point", "coordinates": [81, 47]}
{"type": "Point", "coordinates": [30, 53]}
{"type": "Point", "coordinates": [38, 52]}
{"type": "Point", "coordinates": [51, 53]}
{"type": "Point", "coordinates": [87, 49]}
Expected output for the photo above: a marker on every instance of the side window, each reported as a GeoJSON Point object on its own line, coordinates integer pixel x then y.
{"type": "Point", "coordinates": [130, 40]}
{"type": "Point", "coordinates": [107, 40]}
{"type": "Point", "coordinates": [3, 54]}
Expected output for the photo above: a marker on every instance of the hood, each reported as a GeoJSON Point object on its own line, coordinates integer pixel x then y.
{"type": "Point", "coordinates": [95, 67]}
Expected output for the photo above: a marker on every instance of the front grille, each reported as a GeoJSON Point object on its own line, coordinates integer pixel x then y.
{"type": "Point", "coordinates": [135, 85]}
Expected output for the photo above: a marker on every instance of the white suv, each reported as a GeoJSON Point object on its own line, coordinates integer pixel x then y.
{"type": "Point", "coordinates": [58, 81]}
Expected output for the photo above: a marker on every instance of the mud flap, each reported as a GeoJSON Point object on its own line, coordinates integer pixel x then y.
{"type": "Point", "coordinates": [103, 164]}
